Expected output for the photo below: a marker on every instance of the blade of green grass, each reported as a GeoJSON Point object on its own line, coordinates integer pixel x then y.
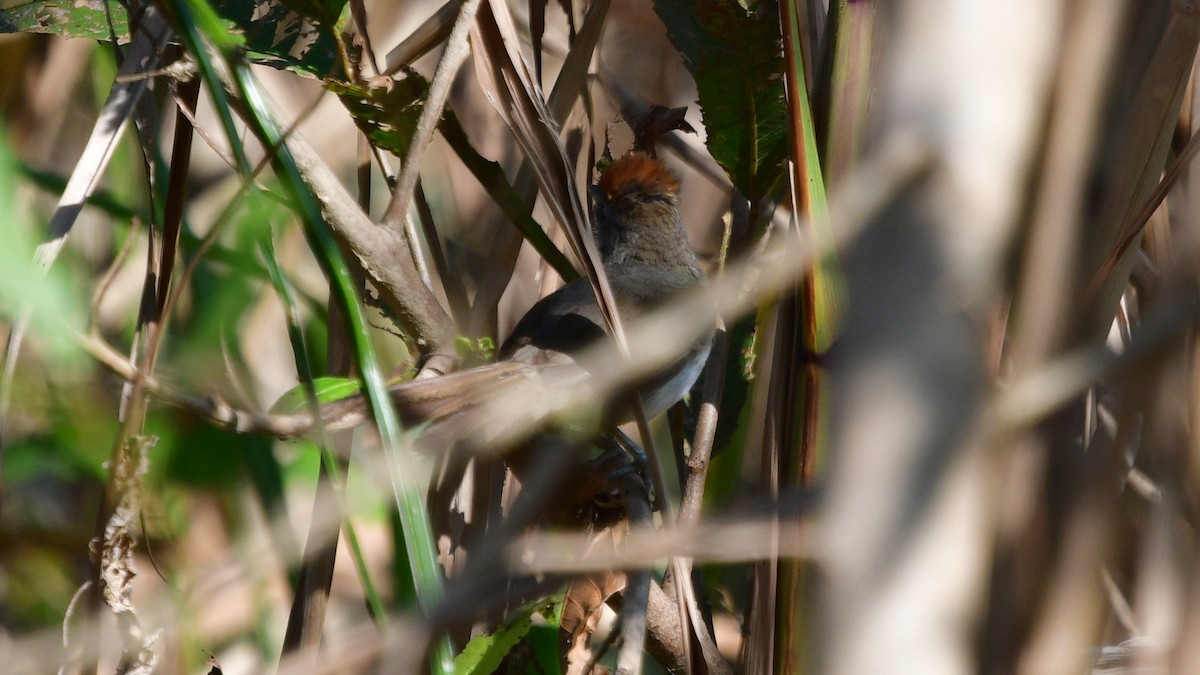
{"type": "Point", "coordinates": [808, 187]}
{"type": "Point", "coordinates": [848, 88]}
{"type": "Point", "coordinates": [816, 329]}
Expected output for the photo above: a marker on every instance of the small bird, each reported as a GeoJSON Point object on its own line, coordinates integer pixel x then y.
{"type": "Point", "coordinates": [648, 261]}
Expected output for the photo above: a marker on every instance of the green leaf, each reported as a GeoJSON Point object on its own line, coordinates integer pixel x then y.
{"type": "Point", "coordinates": [484, 653]}
{"type": "Point", "coordinates": [822, 288]}
{"type": "Point", "coordinates": [386, 114]}
{"type": "Point", "coordinates": [736, 55]}
{"type": "Point", "coordinates": [846, 92]}
{"type": "Point", "coordinates": [327, 388]}
{"type": "Point", "coordinates": [324, 12]}
{"type": "Point", "coordinates": [84, 19]}
{"type": "Point", "coordinates": [272, 33]}
{"type": "Point", "coordinates": [474, 352]}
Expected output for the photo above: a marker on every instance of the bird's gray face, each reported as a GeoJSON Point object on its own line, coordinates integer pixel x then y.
{"type": "Point", "coordinates": [637, 226]}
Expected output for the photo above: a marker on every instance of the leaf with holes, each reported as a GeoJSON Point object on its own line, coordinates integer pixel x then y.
{"type": "Point", "coordinates": [273, 34]}
{"type": "Point", "coordinates": [736, 55]}
{"type": "Point", "coordinates": [385, 109]}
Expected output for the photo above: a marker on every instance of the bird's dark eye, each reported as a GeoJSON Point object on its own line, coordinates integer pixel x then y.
{"type": "Point", "coordinates": [644, 197]}
{"type": "Point", "coordinates": [638, 194]}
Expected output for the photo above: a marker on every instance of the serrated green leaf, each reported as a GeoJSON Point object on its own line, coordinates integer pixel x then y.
{"type": "Point", "coordinates": [484, 653]}
{"type": "Point", "coordinates": [272, 33]}
{"type": "Point", "coordinates": [735, 53]}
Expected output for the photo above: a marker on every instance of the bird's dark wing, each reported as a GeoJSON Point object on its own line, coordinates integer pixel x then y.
{"type": "Point", "coordinates": [569, 320]}
{"type": "Point", "coordinates": [562, 323]}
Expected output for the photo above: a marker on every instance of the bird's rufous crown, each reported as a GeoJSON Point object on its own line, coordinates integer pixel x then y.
{"type": "Point", "coordinates": [637, 171]}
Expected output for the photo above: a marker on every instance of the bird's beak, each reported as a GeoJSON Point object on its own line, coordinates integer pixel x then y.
{"type": "Point", "coordinates": [597, 195]}
{"type": "Point", "coordinates": [599, 203]}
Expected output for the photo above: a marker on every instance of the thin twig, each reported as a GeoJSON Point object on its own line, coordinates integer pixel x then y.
{"type": "Point", "coordinates": [66, 625]}
{"type": "Point", "coordinates": [453, 57]}
{"type": "Point", "coordinates": [432, 32]}
{"type": "Point", "coordinates": [212, 409]}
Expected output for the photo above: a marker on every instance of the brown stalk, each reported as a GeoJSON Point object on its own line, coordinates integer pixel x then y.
{"type": "Point", "coordinates": [1142, 144]}
{"type": "Point", "coordinates": [382, 254]}
{"type": "Point", "coordinates": [111, 572]}
{"type": "Point", "coordinates": [1040, 321]}
{"type": "Point", "coordinates": [433, 31]}
{"type": "Point", "coordinates": [314, 580]}
{"type": "Point", "coordinates": [518, 99]}
{"type": "Point", "coordinates": [149, 40]}
{"type": "Point", "coordinates": [1132, 230]}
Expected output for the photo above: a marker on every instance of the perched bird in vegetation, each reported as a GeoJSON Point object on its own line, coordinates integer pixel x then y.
{"type": "Point", "coordinates": [648, 261]}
